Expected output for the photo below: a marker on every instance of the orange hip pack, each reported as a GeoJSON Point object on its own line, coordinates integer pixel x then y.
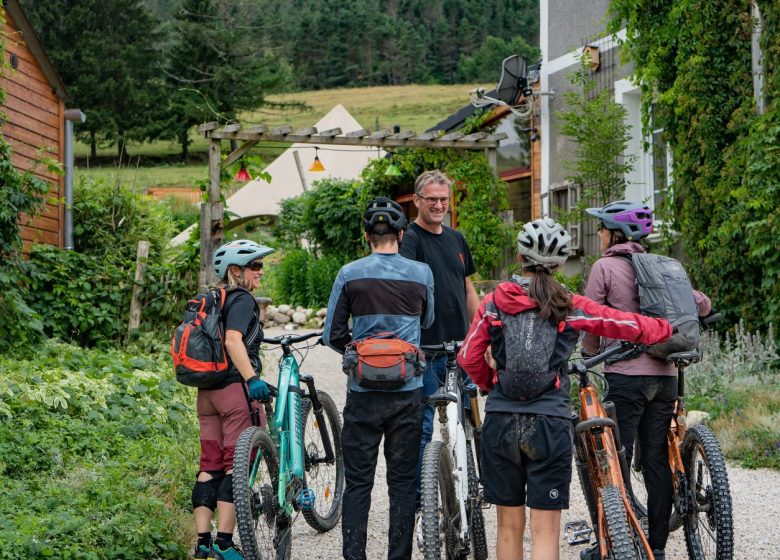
{"type": "Point", "coordinates": [383, 363]}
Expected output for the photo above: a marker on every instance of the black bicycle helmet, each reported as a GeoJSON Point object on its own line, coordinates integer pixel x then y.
{"type": "Point", "coordinates": [382, 210]}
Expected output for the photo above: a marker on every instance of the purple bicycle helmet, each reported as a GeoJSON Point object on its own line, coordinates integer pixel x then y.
{"type": "Point", "coordinates": [634, 219]}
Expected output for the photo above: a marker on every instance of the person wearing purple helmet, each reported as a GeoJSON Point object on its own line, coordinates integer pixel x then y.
{"type": "Point", "coordinates": [644, 389]}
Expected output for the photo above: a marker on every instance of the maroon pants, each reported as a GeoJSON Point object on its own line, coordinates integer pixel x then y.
{"type": "Point", "coordinates": [223, 414]}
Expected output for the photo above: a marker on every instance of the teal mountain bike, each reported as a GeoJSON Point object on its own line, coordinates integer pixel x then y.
{"type": "Point", "coordinates": [293, 466]}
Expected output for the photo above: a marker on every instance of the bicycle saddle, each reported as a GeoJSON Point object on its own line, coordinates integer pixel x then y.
{"type": "Point", "coordinates": [692, 356]}
{"type": "Point", "coordinates": [441, 397]}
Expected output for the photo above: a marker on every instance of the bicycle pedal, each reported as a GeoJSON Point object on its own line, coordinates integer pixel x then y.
{"type": "Point", "coordinates": [577, 532]}
{"type": "Point", "coordinates": [306, 499]}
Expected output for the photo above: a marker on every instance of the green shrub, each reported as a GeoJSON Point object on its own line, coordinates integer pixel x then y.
{"type": "Point", "coordinates": [78, 297]}
{"type": "Point", "coordinates": [301, 278]}
{"type": "Point", "coordinates": [97, 452]}
{"type": "Point", "coordinates": [110, 219]}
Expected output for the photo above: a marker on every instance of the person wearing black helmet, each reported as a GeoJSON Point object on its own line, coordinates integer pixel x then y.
{"type": "Point", "coordinates": [389, 298]}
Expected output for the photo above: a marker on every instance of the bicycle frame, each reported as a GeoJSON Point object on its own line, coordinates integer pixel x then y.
{"type": "Point", "coordinates": [596, 441]}
{"type": "Point", "coordinates": [285, 425]}
{"type": "Point", "coordinates": [450, 405]}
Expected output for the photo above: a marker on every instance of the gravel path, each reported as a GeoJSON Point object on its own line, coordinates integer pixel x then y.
{"type": "Point", "coordinates": [755, 495]}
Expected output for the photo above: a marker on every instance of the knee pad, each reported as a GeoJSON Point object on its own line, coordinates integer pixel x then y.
{"type": "Point", "coordinates": [204, 494]}
{"type": "Point", "coordinates": [225, 493]}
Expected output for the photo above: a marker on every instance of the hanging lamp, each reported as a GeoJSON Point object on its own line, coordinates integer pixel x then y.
{"type": "Point", "coordinates": [317, 165]}
{"type": "Point", "coordinates": [243, 174]}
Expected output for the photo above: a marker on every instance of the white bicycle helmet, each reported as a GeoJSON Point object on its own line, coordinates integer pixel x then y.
{"type": "Point", "coordinates": [544, 242]}
{"type": "Point", "coordinates": [240, 253]}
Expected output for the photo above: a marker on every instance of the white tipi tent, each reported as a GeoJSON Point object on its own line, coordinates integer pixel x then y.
{"type": "Point", "coordinates": [261, 198]}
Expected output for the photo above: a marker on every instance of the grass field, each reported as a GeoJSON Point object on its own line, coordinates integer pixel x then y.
{"type": "Point", "coordinates": [414, 107]}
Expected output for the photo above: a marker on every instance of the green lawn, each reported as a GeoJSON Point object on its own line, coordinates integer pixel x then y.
{"type": "Point", "coordinates": [414, 107]}
{"type": "Point", "coordinates": [145, 177]}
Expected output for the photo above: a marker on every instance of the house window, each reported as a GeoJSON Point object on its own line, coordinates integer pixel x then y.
{"type": "Point", "coordinates": [661, 167]}
{"type": "Point", "coordinates": [563, 199]}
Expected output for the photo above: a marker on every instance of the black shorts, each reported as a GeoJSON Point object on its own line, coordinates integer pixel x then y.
{"type": "Point", "coordinates": [526, 460]}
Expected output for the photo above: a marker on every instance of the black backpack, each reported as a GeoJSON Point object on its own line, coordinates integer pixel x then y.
{"type": "Point", "coordinates": [198, 345]}
{"type": "Point", "coordinates": [531, 354]}
{"type": "Point", "coordinates": [666, 292]}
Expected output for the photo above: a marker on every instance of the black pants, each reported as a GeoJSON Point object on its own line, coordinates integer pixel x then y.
{"type": "Point", "coordinates": [644, 405]}
{"type": "Point", "coordinates": [367, 417]}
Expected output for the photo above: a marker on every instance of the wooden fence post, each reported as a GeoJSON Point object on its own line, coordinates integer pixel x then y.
{"type": "Point", "coordinates": [135, 304]}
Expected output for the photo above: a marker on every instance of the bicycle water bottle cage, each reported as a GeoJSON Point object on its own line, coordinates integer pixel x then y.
{"type": "Point", "coordinates": [441, 398]}
{"type": "Point", "coordinates": [306, 499]}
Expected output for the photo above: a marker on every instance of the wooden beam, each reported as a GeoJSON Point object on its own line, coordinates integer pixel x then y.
{"type": "Point", "coordinates": [281, 131]}
{"type": "Point", "coordinates": [329, 133]}
{"type": "Point", "coordinates": [371, 141]}
{"type": "Point", "coordinates": [239, 153]}
{"type": "Point", "coordinates": [205, 127]}
{"type": "Point", "coordinates": [428, 135]}
{"type": "Point", "coordinates": [381, 134]}
{"type": "Point", "coordinates": [308, 131]}
{"type": "Point", "coordinates": [452, 136]}
{"type": "Point", "coordinates": [474, 137]}
{"type": "Point", "coordinates": [232, 127]}
{"type": "Point", "coordinates": [211, 219]}
{"type": "Point", "coordinates": [358, 133]}
{"type": "Point", "coordinates": [258, 129]}
{"type": "Point", "coordinates": [403, 135]}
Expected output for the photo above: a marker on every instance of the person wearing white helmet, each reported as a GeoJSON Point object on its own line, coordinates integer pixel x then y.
{"type": "Point", "coordinates": [224, 409]}
{"type": "Point", "coordinates": [517, 348]}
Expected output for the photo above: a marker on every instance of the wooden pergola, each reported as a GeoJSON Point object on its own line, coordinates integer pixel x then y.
{"type": "Point", "coordinates": [212, 212]}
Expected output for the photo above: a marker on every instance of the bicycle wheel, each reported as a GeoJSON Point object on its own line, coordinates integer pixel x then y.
{"type": "Point", "coordinates": [620, 537]}
{"type": "Point", "coordinates": [255, 479]}
{"type": "Point", "coordinates": [440, 511]}
{"type": "Point", "coordinates": [708, 525]}
{"type": "Point", "coordinates": [476, 518]}
{"type": "Point", "coordinates": [326, 479]}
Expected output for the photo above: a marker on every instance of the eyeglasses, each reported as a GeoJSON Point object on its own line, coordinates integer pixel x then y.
{"type": "Point", "coordinates": [255, 266]}
{"type": "Point", "coordinates": [432, 200]}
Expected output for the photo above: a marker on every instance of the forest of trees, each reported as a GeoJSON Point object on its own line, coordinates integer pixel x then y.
{"type": "Point", "coordinates": [150, 69]}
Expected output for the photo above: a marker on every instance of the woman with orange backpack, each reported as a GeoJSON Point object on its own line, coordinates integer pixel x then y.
{"type": "Point", "coordinates": [225, 408]}
{"type": "Point", "coordinates": [517, 349]}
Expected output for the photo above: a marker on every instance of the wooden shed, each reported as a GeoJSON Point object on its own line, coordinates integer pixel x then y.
{"type": "Point", "coordinates": [33, 118]}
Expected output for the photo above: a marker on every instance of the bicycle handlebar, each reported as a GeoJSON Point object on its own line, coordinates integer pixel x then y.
{"type": "Point", "coordinates": [288, 339]}
{"type": "Point", "coordinates": [449, 346]}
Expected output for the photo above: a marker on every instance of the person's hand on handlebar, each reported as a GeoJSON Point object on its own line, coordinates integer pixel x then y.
{"type": "Point", "coordinates": [257, 389]}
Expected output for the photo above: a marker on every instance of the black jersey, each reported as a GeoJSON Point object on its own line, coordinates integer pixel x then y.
{"type": "Point", "coordinates": [449, 257]}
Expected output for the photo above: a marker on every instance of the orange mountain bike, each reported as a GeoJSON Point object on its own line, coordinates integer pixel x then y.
{"type": "Point", "coordinates": [619, 532]}
{"type": "Point", "coordinates": [702, 499]}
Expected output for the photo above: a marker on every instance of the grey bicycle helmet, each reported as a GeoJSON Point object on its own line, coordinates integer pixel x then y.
{"type": "Point", "coordinates": [634, 219]}
{"type": "Point", "coordinates": [382, 210]}
{"type": "Point", "coordinates": [240, 253]}
{"type": "Point", "coordinates": [544, 242]}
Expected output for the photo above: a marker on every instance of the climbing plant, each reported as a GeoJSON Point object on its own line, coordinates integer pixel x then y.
{"type": "Point", "coordinates": [597, 126]}
{"type": "Point", "coordinates": [693, 61]}
{"type": "Point", "coordinates": [480, 193]}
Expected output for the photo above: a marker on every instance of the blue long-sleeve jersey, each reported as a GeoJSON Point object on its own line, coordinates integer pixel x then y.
{"type": "Point", "coordinates": [383, 292]}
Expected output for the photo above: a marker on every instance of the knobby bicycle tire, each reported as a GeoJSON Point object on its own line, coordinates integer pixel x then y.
{"type": "Point", "coordinates": [708, 527]}
{"type": "Point", "coordinates": [440, 513]}
{"type": "Point", "coordinates": [256, 508]}
{"type": "Point", "coordinates": [327, 480]}
{"type": "Point", "coordinates": [618, 530]}
{"type": "Point", "coordinates": [476, 518]}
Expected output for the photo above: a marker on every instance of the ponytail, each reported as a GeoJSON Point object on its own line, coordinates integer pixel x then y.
{"type": "Point", "coordinates": [554, 300]}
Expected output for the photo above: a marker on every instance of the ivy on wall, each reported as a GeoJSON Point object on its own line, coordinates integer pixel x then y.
{"type": "Point", "coordinates": [693, 61]}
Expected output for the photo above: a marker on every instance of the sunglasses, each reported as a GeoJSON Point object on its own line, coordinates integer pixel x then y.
{"type": "Point", "coordinates": [432, 200]}
{"type": "Point", "coordinates": [255, 266]}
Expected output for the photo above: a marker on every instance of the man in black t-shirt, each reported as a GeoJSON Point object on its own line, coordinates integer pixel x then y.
{"type": "Point", "coordinates": [445, 250]}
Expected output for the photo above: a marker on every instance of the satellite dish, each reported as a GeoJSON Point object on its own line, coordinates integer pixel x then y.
{"type": "Point", "coordinates": [514, 79]}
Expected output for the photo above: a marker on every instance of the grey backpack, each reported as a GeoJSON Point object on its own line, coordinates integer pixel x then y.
{"type": "Point", "coordinates": [665, 291]}
{"type": "Point", "coordinates": [524, 348]}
